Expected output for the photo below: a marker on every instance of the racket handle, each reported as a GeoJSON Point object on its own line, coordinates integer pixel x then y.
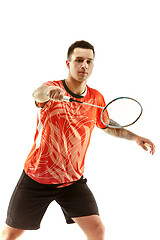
{"type": "Point", "coordinates": [67, 99]}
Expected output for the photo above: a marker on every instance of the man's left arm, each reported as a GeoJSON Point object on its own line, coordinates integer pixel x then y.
{"type": "Point", "coordinates": [126, 134]}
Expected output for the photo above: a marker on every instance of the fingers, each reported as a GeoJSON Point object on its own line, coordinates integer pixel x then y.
{"type": "Point", "coordinates": [146, 144]}
{"type": "Point", "coordinates": [151, 146]}
{"type": "Point", "coordinates": [143, 146]}
{"type": "Point", "coordinates": [56, 93]}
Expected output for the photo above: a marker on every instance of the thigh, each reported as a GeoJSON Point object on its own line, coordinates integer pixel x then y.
{"type": "Point", "coordinates": [28, 204]}
{"type": "Point", "coordinates": [77, 200]}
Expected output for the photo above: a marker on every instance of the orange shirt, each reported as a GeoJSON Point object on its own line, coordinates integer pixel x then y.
{"type": "Point", "coordinates": [62, 137]}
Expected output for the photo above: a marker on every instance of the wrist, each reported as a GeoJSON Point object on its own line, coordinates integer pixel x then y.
{"type": "Point", "coordinates": [135, 137]}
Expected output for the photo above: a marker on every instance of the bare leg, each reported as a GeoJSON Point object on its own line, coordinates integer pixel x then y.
{"type": "Point", "coordinates": [92, 227]}
{"type": "Point", "coordinates": [10, 233]}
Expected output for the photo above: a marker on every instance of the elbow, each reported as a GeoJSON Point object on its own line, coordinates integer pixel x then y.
{"type": "Point", "coordinates": [33, 94]}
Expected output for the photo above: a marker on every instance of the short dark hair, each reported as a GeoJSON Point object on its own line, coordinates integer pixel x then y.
{"type": "Point", "coordinates": [79, 44]}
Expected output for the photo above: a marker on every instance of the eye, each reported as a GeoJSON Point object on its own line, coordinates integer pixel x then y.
{"type": "Point", "coordinates": [89, 61]}
{"type": "Point", "coordinates": [79, 60]}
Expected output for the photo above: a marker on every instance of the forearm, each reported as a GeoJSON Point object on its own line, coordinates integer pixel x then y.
{"type": "Point", "coordinates": [126, 134]}
{"type": "Point", "coordinates": [121, 133]}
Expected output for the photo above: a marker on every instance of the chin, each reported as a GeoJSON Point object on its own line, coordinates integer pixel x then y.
{"type": "Point", "coordinates": [82, 79]}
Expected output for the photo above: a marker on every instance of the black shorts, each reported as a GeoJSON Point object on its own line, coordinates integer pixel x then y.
{"type": "Point", "coordinates": [30, 200]}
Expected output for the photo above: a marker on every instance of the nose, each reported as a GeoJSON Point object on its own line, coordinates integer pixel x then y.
{"type": "Point", "coordinates": [84, 65]}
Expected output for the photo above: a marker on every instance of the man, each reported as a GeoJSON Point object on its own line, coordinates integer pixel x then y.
{"type": "Point", "coordinates": [54, 168]}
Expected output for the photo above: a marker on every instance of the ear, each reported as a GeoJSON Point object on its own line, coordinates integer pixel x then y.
{"type": "Point", "coordinates": [68, 64]}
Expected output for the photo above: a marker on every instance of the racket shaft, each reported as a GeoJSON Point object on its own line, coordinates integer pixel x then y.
{"type": "Point", "coordinates": [69, 99]}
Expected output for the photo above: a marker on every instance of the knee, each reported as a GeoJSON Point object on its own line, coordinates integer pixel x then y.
{"type": "Point", "coordinates": [7, 236]}
{"type": "Point", "coordinates": [3, 235]}
{"type": "Point", "coordinates": [99, 233]}
{"type": "Point", "coordinates": [10, 233]}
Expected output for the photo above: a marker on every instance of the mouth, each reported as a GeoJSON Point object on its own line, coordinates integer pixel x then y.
{"type": "Point", "coordinates": [83, 73]}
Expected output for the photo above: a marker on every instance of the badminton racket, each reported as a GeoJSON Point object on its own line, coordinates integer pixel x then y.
{"type": "Point", "coordinates": [122, 111]}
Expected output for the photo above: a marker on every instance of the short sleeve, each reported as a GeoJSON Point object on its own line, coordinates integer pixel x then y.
{"type": "Point", "coordinates": [51, 83]}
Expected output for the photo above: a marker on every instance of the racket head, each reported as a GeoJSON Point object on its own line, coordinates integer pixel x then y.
{"type": "Point", "coordinates": [122, 111]}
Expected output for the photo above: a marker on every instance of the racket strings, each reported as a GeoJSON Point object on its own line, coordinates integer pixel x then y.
{"type": "Point", "coordinates": [122, 112]}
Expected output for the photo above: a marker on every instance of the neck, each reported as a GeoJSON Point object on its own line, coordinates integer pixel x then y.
{"type": "Point", "coordinates": [77, 87]}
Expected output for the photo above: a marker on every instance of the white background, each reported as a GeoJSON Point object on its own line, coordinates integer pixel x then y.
{"type": "Point", "coordinates": [35, 36]}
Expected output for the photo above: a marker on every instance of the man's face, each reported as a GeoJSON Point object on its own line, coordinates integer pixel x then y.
{"type": "Point", "coordinates": [81, 64]}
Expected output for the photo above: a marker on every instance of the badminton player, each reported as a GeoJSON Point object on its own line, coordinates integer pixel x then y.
{"type": "Point", "coordinates": [53, 170]}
